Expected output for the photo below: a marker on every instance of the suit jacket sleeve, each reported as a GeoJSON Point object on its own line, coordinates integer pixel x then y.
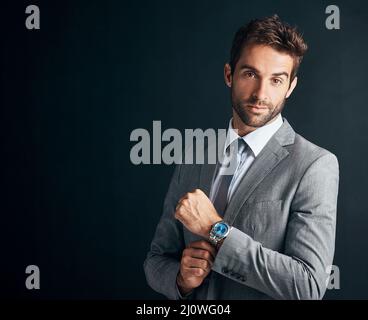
{"type": "Point", "coordinates": [300, 271]}
{"type": "Point", "coordinates": [162, 263]}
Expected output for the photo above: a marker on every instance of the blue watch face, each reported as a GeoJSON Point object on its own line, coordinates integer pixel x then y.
{"type": "Point", "coordinates": [220, 229]}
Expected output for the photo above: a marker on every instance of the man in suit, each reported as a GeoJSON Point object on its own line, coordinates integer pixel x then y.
{"type": "Point", "coordinates": [266, 231]}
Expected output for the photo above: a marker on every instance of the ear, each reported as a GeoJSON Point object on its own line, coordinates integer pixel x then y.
{"type": "Point", "coordinates": [292, 87]}
{"type": "Point", "coordinates": [227, 75]}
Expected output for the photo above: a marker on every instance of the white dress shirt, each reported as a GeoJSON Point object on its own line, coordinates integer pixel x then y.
{"type": "Point", "coordinates": [256, 140]}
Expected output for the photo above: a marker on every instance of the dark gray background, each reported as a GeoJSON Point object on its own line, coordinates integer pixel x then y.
{"type": "Point", "coordinates": [72, 92]}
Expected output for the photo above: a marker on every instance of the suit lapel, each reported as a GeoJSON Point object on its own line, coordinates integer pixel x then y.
{"type": "Point", "coordinates": [271, 155]}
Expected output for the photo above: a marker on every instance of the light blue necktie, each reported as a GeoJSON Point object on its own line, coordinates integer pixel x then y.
{"type": "Point", "coordinates": [220, 201]}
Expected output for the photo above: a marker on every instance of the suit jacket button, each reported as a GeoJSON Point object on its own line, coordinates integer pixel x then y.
{"type": "Point", "coordinates": [225, 270]}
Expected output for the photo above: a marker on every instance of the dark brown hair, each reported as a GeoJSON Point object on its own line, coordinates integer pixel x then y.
{"type": "Point", "coordinates": [273, 32]}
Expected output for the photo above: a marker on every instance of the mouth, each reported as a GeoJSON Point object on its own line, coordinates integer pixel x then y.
{"type": "Point", "coordinates": [256, 108]}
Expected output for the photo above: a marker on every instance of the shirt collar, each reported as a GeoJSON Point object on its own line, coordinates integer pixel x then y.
{"type": "Point", "coordinates": [257, 139]}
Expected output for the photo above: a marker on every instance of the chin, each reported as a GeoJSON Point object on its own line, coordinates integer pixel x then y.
{"type": "Point", "coordinates": [255, 122]}
{"type": "Point", "coordinates": [251, 119]}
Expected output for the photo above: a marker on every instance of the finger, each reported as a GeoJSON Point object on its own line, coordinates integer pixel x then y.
{"type": "Point", "coordinates": [200, 254]}
{"type": "Point", "coordinates": [203, 244]}
{"type": "Point", "coordinates": [177, 206]}
{"type": "Point", "coordinates": [194, 272]}
{"type": "Point", "coordinates": [199, 191]}
{"type": "Point", "coordinates": [180, 210]}
{"type": "Point", "coordinates": [185, 196]}
{"type": "Point", "coordinates": [192, 262]}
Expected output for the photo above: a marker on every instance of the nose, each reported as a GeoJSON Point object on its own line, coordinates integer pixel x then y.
{"type": "Point", "coordinates": [260, 92]}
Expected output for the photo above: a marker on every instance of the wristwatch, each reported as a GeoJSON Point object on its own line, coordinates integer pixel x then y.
{"type": "Point", "coordinates": [219, 231]}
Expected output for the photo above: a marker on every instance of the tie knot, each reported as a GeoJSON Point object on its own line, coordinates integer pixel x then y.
{"type": "Point", "coordinates": [241, 145]}
{"type": "Point", "coordinates": [236, 147]}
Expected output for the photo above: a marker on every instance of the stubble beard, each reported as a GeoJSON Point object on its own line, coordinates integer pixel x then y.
{"type": "Point", "coordinates": [252, 119]}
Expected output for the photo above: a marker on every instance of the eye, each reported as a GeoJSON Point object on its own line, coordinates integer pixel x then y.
{"type": "Point", "coordinates": [276, 81]}
{"type": "Point", "coordinates": [249, 74]}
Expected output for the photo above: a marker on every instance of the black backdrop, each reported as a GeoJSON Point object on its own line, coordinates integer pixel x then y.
{"type": "Point", "coordinates": [73, 204]}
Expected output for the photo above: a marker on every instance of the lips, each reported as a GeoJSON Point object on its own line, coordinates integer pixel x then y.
{"type": "Point", "coordinates": [256, 107]}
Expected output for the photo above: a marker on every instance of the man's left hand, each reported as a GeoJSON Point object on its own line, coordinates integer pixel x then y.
{"type": "Point", "coordinates": [197, 213]}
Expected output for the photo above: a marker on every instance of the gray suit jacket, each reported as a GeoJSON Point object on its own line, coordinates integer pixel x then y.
{"type": "Point", "coordinates": [284, 218]}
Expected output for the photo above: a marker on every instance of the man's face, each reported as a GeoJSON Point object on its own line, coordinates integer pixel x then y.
{"type": "Point", "coordinates": [260, 84]}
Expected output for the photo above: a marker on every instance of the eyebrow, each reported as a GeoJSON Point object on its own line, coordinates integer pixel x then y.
{"type": "Point", "coordinates": [276, 74]}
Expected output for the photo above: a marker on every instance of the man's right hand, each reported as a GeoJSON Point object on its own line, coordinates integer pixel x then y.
{"type": "Point", "coordinates": [195, 265]}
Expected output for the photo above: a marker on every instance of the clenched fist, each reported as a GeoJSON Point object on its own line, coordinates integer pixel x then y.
{"type": "Point", "coordinates": [197, 213]}
{"type": "Point", "coordinates": [196, 262]}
